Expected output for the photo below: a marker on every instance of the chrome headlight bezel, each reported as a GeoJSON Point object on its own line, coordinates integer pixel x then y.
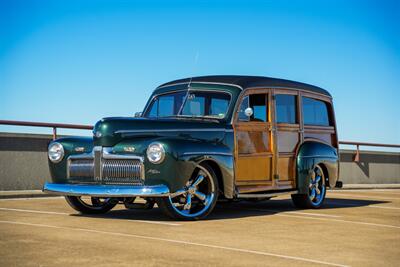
{"type": "Point", "coordinates": [55, 152]}
{"type": "Point", "coordinates": [155, 153]}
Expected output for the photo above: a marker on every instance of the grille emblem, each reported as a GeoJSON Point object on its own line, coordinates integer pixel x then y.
{"type": "Point", "coordinates": [129, 149]}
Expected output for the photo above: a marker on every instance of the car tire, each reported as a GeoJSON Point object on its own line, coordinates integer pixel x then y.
{"type": "Point", "coordinates": [203, 197]}
{"type": "Point", "coordinates": [95, 207]}
{"type": "Point", "coordinates": [316, 191]}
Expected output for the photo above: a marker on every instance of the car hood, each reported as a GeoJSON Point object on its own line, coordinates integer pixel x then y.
{"type": "Point", "coordinates": [111, 131]}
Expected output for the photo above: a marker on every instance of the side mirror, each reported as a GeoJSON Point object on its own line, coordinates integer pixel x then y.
{"type": "Point", "coordinates": [138, 114]}
{"type": "Point", "coordinates": [248, 112]}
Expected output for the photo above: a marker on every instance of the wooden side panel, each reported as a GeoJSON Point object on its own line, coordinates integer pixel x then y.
{"type": "Point", "coordinates": [254, 168]}
{"type": "Point", "coordinates": [287, 141]}
{"type": "Point", "coordinates": [286, 168]}
{"type": "Point", "coordinates": [251, 142]}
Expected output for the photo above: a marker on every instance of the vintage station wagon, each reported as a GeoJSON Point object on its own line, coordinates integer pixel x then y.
{"type": "Point", "coordinates": [202, 139]}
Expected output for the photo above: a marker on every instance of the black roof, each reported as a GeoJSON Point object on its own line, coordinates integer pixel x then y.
{"type": "Point", "coordinates": [251, 81]}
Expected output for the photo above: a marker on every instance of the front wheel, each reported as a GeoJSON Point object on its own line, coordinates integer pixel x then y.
{"type": "Point", "coordinates": [316, 191]}
{"type": "Point", "coordinates": [91, 205]}
{"type": "Point", "coordinates": [195, 200]}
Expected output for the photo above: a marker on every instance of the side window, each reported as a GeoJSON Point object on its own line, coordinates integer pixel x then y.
{"type": "Point", "coordinates": [285, 109]}
{"type": "Point", "coordinates": [242, 108]}
{"type": "Point", "coordinates": [315, 112]}
{"type": "Point", "coordinates": [259, 106]}
{"type": "Point", "coordinates": [258, 102]}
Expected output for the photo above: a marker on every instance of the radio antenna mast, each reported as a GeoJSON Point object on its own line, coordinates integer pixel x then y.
{"type": "Point", "coordinates": [196, 58]}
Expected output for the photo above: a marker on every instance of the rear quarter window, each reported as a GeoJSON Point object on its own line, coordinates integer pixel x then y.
{"type": "Point", "coordinates": [315, 112]}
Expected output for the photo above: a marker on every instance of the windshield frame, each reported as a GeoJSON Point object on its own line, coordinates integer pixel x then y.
{"type": "Point", "coordinates": [187, 92]}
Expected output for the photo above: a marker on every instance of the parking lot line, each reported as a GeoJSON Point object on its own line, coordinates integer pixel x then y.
{"type": "Point", "coordinates": [67, 214]}
{"type": "Point", "coordinates": [30, 198]}
{"type": "Point", "coordinates": [295, 258]}
{"type": "Point", "coordinates": [287, 214]}
{"type": "Point", "coordinates": [356, 205]}
{"type": "Point", "coordinates": [362, 196]}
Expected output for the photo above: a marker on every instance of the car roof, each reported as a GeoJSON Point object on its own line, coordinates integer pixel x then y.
{"type": "Point", "coordinates": [245, 82]}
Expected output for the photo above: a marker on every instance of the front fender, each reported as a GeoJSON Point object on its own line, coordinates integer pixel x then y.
{"type": "Point", "coordinates": [72, 146]}
{"type": "Point", "coordinates": [313, 153]}
{"type": "Point", "coordinates": [182, 158]}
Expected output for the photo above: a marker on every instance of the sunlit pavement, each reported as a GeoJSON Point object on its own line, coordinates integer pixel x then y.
{"type": "Point", "coordinates": [355, 228]}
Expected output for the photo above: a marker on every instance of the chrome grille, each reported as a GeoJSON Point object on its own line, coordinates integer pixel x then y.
{"type": "Point", "coordinates": [121, 171]}
{"type": "Point", "coordinates": [81, 168]}
{"type": "Point", "coordinates": [112, 170]}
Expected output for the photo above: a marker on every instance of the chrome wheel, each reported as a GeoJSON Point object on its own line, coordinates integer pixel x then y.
{"type": "Point", "coordinates": [316, 188]}
{"type": "Point", "coordinates": [313, 190]}
{"type": "Point", "coordinates": [195, 200]}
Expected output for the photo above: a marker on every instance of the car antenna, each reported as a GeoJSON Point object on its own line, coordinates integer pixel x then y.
{"type": "Point", "coordinates": [196, 58]}
{"type": "Point", "coordinates": [190, 82]}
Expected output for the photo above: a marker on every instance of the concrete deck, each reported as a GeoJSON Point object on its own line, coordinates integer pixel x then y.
{"type": "Point", "coordinates": [355, 228]}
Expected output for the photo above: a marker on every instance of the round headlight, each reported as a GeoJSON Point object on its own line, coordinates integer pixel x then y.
{"type": "Point", "coordinates": [155, 153]}
{"type": "Point", "coordinates": [56, 152]}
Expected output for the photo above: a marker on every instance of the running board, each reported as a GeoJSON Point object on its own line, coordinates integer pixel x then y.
{"type": "Point", "coordinates": [266, 194]}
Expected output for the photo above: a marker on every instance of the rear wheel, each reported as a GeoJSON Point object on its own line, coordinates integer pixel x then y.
{"type": "Point", "coordinates": [316, 191]}
{"type": "Point", "coordinates": [195, 200]}
{"type": "Point", "coordinates": [91, 205]}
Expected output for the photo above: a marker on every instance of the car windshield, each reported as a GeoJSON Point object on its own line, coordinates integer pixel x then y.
{"type": "Point", "coordinates": [190, 104]}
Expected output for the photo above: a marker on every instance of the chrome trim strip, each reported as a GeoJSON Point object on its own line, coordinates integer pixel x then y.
{"type": "Point", "coordinates": [266, 195]}
{"type": "Point", "coordinates": [106, 190]}
{"type": "Point", "coordinates": [174, 130]}
{"type": "Point", "coordinates": [319, 156]}
{"type": "Point", "coordinates": [192, 82]}
{"type": "Point", "coordinates": [208, 153]}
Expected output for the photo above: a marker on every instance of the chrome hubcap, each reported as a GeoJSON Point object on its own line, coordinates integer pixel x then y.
{"type": "Point", "coordinates": [317, 186]}
{"type": "Point", "coordinates": [195, 197]}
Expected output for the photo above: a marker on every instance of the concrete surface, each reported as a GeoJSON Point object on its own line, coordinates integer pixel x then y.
{"type": "Point", "coordinates": [355, 228]}
{"type": "Point", "coordinates": [374, 167]}
{"type": "Point", "coordinates": [23, 161]}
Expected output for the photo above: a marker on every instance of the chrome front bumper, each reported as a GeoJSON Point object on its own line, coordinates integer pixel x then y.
{"type": "Point", "coordinates": [106, 190]}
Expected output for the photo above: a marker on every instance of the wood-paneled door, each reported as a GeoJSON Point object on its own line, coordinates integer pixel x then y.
{"type": "Point", "coordinates": [254, 161]}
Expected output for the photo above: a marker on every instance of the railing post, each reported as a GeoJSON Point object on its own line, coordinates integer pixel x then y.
{"type": "Point", "coordinates": [54, 133]}
{"type": "Point", "coordinates": [357, 155]}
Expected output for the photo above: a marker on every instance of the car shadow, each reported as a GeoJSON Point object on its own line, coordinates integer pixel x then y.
{"type": "Point", "coordinates": [232, 210]}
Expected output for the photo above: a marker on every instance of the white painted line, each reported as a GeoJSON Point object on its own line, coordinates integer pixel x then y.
{"type": "Point", "coordinates": [276, 213]}
{"type": "Point", "coordinates": [35, 211]}
{"type": "Point", "coordinates": [360, 205]}
{"type": "Point", "coordinates": [67, 214]}
{"type": "Point", "coordinates": [30, 198]}
{"type": "Point", "coordinates": [256, 252]}
{"type": "Point", "coordinates": [368, 197]}
{"type": "Point", "coordinates": [342, 221]}
{"type": "Point", "coordinates": [389, 191]}
{"type": "Point", "coordinates": [313, 214]}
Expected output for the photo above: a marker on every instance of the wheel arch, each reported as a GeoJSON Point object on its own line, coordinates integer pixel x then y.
{"type": "Point", "coordinates": [312, 153]}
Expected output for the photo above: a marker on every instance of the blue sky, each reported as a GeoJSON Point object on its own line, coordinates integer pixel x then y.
{"type": "Point", "coordinates": [79, 61]}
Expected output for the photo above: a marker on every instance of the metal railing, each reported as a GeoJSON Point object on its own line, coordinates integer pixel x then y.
{"type": "Point", "coordinates": [47, 125]}
{"type": "Point", "coordinates": [89, 127]}
{"type": "Point", "coordinates": [358, 144]}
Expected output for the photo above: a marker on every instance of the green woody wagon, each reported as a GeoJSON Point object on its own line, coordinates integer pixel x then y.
{"type": "Point", "coordinates": [202, 139]}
